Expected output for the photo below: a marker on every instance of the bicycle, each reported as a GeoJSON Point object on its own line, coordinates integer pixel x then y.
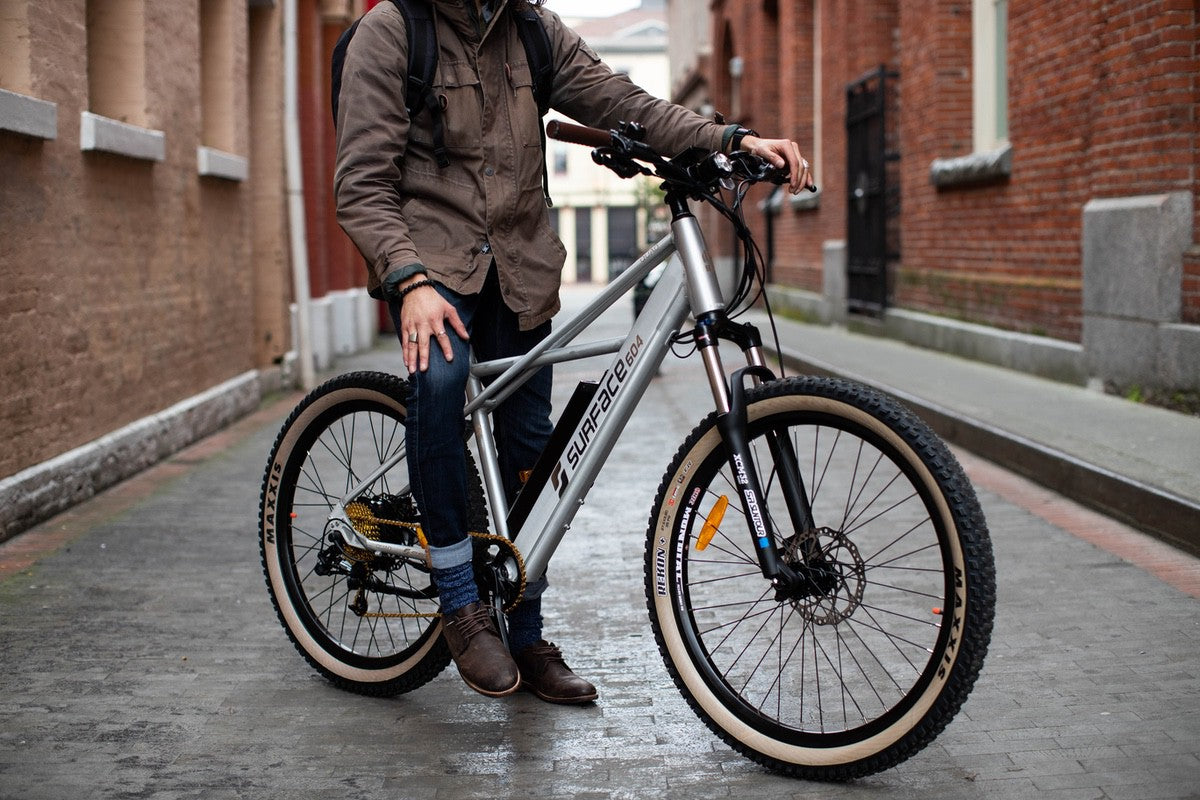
{"type": "Point", "coordinates": [818, 571]}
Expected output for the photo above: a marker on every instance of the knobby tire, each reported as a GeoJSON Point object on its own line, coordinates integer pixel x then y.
{"type": "Point", "coordinates": [858, 676]}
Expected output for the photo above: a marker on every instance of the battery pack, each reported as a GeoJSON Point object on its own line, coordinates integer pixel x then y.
{"type": "Point", "coordinates": [581, 398]}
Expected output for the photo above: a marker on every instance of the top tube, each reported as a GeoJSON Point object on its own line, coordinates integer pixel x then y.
{"type": "Point", "coordinates": [519, 369]}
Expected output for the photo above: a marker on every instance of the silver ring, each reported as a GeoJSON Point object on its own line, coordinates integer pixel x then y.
{"type": "Point", "coordinates": [440, 333]}
{"type": "Point", "coordinates": [804, 163]}
{"type": "Point", "coordinates": [412, 337]}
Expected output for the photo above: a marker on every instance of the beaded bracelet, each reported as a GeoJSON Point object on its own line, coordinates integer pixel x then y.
{"type": "Point", "coordinates": [411, 286]}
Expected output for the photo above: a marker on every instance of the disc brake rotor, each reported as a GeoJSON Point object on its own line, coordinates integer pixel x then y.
{"type": "Point", "coordinates": [834, 565]}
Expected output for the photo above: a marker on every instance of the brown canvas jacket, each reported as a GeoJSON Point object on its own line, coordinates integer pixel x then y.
{"type": "Point", "coordinates": [401, 209]}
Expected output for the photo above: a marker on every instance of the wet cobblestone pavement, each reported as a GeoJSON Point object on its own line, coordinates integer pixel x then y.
{"type": "Point", "coordinates": [140, 657]}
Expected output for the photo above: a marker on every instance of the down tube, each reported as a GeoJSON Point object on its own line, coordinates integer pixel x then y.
{"type": "Point", "coordinates": [621, 387]}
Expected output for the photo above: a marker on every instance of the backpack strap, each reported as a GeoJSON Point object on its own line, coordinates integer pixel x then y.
{"type": "Point", "coordinates": [421, 29]}
{"type": "Point", "coordinates": [541, 67]}
{"type": "Point", "coordinates": [538, 51]}
{"type": "Point", "coordinates": [339, 61]}
{"type": "Point", "coordinates": [422, 70]}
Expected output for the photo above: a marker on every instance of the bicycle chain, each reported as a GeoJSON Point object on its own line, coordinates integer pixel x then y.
{"type": "Point", "coordinates": [366, 523]}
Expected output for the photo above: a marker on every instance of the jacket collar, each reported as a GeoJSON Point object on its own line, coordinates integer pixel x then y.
{"type": "Point", "coordinates": [466, 22]}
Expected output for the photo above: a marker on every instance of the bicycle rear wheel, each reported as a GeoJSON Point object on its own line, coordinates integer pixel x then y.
{"type": "Point", "coordinates": [870, 664]}
{"type": "Point", "coordinates": [367, 622]}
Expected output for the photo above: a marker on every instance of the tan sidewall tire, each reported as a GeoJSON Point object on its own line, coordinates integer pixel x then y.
{"type": "Point", "coordinates": [274, 568]}
{"type": "Point", "coordinates": [665, 524]}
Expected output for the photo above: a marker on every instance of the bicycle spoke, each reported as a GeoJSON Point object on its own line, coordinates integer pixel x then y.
{"type": "Point", "coordinates": [888, 564]}
{"type": "Point", "coordinates": [352, 445]}
{"type": "Point", "coordinates": [892, 507]}
{"type": "Point", "coordinates": [896, 540]}
{"type": "Point", "coordinates": [916, 592]}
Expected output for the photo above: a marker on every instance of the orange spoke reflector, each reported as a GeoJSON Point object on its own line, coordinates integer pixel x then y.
{"type": "Point", "coordinates": [712, 522]}
{"type": "Point", "coordinates": [937, 611]}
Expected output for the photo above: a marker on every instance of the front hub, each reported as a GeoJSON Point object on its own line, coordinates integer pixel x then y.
{"type": "Point", "coordinates": [831, 576]}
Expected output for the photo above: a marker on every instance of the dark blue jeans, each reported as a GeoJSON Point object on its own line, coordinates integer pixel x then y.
{"type": "Point", "coordinates": [436, 427]}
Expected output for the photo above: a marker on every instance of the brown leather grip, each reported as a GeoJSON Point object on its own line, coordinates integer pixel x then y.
{"type": "Point", "coordinates": [578, 134]}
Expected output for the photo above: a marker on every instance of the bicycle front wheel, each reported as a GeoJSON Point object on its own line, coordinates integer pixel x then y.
{"type": "Point", "coordinates": [867, 665]}
{"type": "Point", "coordinates": [367, 622]}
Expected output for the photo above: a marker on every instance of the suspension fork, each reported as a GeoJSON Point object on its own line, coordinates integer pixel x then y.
{"type": "Point", "coordinates": [732, 423]}
{"type": "Point", "coordinates": [783, 453]}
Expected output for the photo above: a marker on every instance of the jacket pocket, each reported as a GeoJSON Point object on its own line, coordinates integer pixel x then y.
{"type": "Point", "coordinates": [526, 121]}
{"type": "Point", "coordinates": [462, 101]}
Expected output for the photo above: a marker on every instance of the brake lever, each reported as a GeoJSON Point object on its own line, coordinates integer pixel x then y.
{"type": "Point", "coordinates": [619, 163]}
{"type": "Point", "coordinates": [760, 170]}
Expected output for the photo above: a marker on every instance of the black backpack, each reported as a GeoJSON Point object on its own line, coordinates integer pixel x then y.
{"type": "Point", "coordinates": [423, 57]}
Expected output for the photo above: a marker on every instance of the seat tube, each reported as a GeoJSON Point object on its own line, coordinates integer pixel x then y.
{"type": "Point", "coordinates": [489, 462]}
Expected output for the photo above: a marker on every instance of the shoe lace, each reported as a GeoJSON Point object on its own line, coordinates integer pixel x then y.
{"type": "Point", "coordinates": [473, 622]}
{"type": "Point", "coordinates": [547, 652]}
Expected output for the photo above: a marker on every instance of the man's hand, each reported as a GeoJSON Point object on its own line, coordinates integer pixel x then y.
{"type": "Point", "coordinates": [782, 153]}
{"type": "Point", "coordinates": [424, 316]}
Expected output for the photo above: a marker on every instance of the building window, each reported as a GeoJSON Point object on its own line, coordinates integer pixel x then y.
{"type": "Point", "coordinates": [990, 64]}
{"type": "Point", "coordinates": [560, 160]}
{"type": "Point", "coordinates": [20, 113]}
{"type": "Point", "coordinates": [116, 60]}
{"type": "Point", "coordinates": [583, 245]}
{"type": "Point", "coordinates": [117, 118]}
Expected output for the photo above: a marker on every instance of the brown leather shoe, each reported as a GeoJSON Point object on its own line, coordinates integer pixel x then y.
{"type": "Point", "coordinates": [482, 660]}
{"type": "Point", "coordinates": [544, 673]}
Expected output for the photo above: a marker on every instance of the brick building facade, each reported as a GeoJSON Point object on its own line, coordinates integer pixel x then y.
{"type": "Point", "coordinates": [142, 235]}
{"type": "Point", "coordinates": [145, 239]}
{"type": "Point", "coordinates": [1040, 170]}
{"type": "Point", "coordinates": [343, 318]}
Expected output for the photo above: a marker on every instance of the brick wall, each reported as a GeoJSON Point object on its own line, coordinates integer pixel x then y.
{"type": "Point", "coordinates": [1103, 102]}
{"type": "Point", "coordinates": [797, 250]}
{"type": "Point", "coordinates": [1191, 287]}
{"type": "Point", "coordinates": [856, 36]}
{"type": "Point", "coordinates": [333, 262]}
{"type": "Point", "coordinates": [127, 283]}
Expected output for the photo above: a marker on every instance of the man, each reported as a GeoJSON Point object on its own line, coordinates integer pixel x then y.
{"type": "Point", "coordinates": [463, 252]}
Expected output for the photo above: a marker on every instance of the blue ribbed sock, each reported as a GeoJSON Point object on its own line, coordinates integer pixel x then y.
{"type": "Point", "coordinates": [456, 587]}
{"type": "Point", "coordinates": [525, 624]}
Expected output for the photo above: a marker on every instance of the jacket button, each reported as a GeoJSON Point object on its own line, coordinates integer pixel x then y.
{"type": "Point", "coordinates": [489, 172]}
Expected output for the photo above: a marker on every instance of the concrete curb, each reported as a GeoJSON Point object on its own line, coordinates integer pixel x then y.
{"type": "Point", "coordinates": [1163, 514]}
{"type": "Point", "coordinates": [43, 490]}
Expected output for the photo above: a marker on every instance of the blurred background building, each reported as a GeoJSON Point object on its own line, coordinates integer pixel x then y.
{"type": "Point", "coordinates": [601, 218]}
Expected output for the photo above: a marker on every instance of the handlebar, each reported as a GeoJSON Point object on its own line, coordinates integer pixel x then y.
{"type": "Point", "coordinates": [696, 173]}
{"type": "Point", "coordinates": [627, 141]}
{"type": "Point", "coordinates": [578, 134]}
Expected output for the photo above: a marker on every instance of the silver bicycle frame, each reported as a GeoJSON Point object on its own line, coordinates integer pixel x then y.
{"type": "Point", "coordinates": [620, 389]}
